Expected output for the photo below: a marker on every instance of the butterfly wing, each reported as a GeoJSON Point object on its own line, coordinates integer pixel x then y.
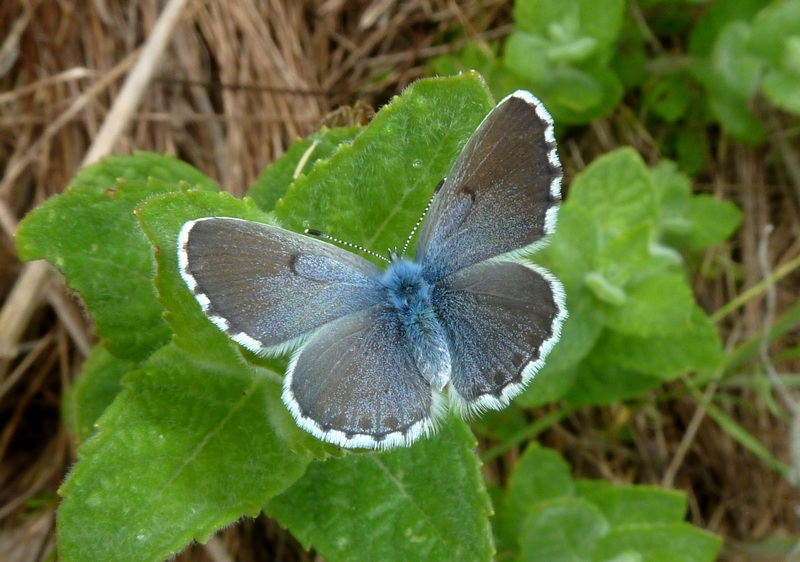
{"type": "Point", "coordinates": [501, 318]}
{"type": "Point", "coordinates": [355, 384]}
{"type": "Point", "coordinates": [267, 287]}
{"type": "Point", "coordinates": [502, 193]}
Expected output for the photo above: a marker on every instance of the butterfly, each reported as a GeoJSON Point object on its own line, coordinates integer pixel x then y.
{"type": "Point", "coordinates": [379, 354]}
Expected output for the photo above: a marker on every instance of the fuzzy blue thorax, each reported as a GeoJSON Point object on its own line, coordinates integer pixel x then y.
{"type": "Point", "coordinates": [412, 298]}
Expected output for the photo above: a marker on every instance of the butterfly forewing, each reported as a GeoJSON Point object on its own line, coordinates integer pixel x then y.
{"type": "Point", "coordinates": [263, 285]}
{"type": "Point", "coordinates": [502, 193]}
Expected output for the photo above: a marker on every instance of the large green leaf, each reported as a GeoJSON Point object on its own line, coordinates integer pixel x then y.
{"type": "Point", "coordinates": [185, 449]}
{"type": "Point", "coordinates": [426, 502]}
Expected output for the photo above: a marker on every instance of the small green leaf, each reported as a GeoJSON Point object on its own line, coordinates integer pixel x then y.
{"type": "Point", "coordinates": [673, 542]}
{"type": "Point", "coordinates": [540, 475]}
{"type": "Point", "coordinates": [735, 64]}
{"type": "Point", "coordinates": [426, 502]}
{"type": "Point", "coordinates": [600, 381]}
{"type": "Point", "coordinates": [630, 505]}
{"type": "Point", "coordinates": [617, 190]}
{"type": "Point", "coordinates": [95, 388]}
{"type": "Point", "coordinates": [773, 30]}
{"type": "Point", "coordinates": [374, 191]}
{"type": "Point", "coordinates": [783, 88]}
{"type": "Point", "coordinates": [656, 305]}
{"type": "Point", "coordinates": [564, 529]}
{"type": "Point", "coordinates": [605, 290]}
{"type": "Point", "coordinates": [730, 107]}
{"type": "Point", "coordinates": [712, 222]}
{"type": "Point", "coordinates": [692, 149]}
{"type": "Point", "coordinates": [668, 96]}
{"type": "Point", "coordinates": [718, 15]}
{"type": "Point", "coordinates": [185, 449]}
{"type": "Point", "coordinates": [273, 183]}
{"type": "Point", "coordinates": [626, 255]}
{"type": "Point", "coordinates": [696, 348]}
{"type": "Point", "coordinates": [517, 56]}
{"type": "Point", "coordinates": [570, 19]}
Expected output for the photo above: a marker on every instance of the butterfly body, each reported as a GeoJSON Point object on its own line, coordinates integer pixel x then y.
{"type": "Point", "coordinates": [413, 299]}
{"type": "Point", "coordinates": [379, 354]}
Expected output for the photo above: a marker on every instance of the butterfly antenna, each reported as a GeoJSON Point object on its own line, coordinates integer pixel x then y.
{"type": "Point", "coordinates": [320, 234]}
{"type": "Point", "coordinates": [422, 218]}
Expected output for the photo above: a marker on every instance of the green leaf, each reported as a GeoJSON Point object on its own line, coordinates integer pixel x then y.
{"type": "Point", "coordinates": [540, 475]}
{"type": "Point", "coordinates": [564, 529]}
{"type": "Point", "coordinates": [692, 149]}
{"type": "Point", "coordinates": [572, 250]}
{"type": "Point", "coordinates": [734, 63]}
{"type": "Point", "coordinates": [668, 96]}
{"type": "Point", "coordinates": [91, 236]}
{"type": "Point", "coordinates": [718, 15]}
{"type": "Point", "coordinates": [673, 542]}
{"type": "Point", "coordinates": [185, 449]}
{"type": "Point", "coordinates": [631, 505]}
{"type": "Point", "coordinates": [774, 29]}
{"type": "Point", "coordinates": [626, 255]}
{"type": "Point", "coordinates": [696, 348]}
{"type": "Point", "coordinates": [567, 20]}
{"type": "Point", "coordinates": [730, 107]}
{"type": "Point", "coordinates": [600, 381]}
{"type": "Point", "coordinates": [95, 388]}
{"type": "Point", "coordinates": [373, 192]}
{"type": "Point", "coordinates": [273, 183]}
{"type": "Point", "coordinates": [712, 222]}
{"type": "Point", "coordinates": [656, 305]}
{"type": "Point", "coordinates": [517, 56]}
{"type": "Point", "coordinates": [617, 191]}
{"type": "Point", "coordinates": [693, 221]}
{"type": "Point", "coordinates": [139, 168]}
{"type": "Point", "coordinates": [783, 88]}
{"type": "Point", "coordinates": [425, 502]}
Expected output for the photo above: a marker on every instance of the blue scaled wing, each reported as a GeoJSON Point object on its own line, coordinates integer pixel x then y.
{"type": "Point", "coordinates": [501, 318]}
{"type": "Point", "coordinates": [355, 384]}
{"type": "Point", "coordinates": [269, 288]}
{"type": "Point", "coordinates": [502, 193]}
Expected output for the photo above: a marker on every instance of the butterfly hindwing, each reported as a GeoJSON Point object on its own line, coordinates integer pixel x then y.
{"type": "Point", "coordinates": [502, 318]}
{"type": "Point", "coordinates": [355, 384]}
